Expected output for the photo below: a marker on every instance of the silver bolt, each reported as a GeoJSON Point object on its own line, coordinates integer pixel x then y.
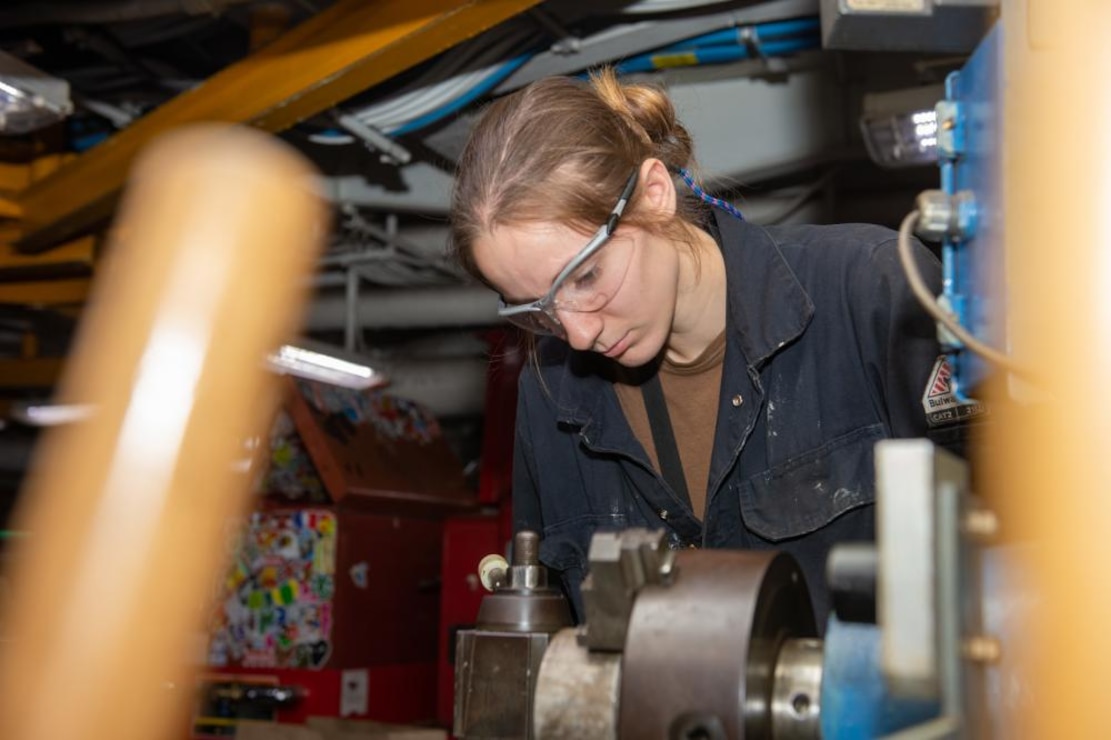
{"type": "Point", "coordinates": [981, 524]}
{"type": "Point", "coordinates": [982, 649]}
{"type": "Point", "coordinates": [526, 548]}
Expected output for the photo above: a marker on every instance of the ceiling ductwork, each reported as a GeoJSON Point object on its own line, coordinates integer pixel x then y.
{"type": "Point", "coordinates": [49, 13]}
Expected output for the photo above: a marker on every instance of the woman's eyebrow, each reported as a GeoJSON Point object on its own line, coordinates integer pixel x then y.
{"type": "Point", "coordinates": [514, 301]}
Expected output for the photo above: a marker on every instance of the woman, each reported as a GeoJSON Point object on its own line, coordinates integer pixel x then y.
{"type": "Point", "coordinates": [723, 381]}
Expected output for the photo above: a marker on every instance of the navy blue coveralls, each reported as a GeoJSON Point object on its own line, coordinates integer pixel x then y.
{"type": "Point", "coordinates": [827, 352]}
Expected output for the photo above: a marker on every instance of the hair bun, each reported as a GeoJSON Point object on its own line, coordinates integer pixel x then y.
{"type": "Point", "coordinates": [650, 114]}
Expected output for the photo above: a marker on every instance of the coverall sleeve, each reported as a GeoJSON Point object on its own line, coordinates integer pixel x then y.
{"type": "Point", "coordinates": [900, 344]}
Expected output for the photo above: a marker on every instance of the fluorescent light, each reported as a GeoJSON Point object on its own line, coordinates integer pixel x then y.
{"type": "Point", "coordinates": [310, 360]}
{"type": "Point", "coordinates": [50, 415]}
{"type": "Point", "coordinates": [315, 361]}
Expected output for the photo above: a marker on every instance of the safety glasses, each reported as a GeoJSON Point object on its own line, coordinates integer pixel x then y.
{"type": "Point", "coordinates": [586, 283]}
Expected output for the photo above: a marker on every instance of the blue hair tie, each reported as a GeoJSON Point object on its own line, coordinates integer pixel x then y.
{"type": "Point", "coordinates": [706, 197]}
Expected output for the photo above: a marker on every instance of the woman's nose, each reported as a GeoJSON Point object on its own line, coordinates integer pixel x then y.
{"type": "Point", "coordinates": [583, 329]}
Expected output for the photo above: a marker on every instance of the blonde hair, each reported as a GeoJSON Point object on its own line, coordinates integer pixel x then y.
{"type": "Point", "coordinates": [560, 150]}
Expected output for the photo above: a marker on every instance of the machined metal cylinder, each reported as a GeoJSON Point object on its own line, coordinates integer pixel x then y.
{"type": "Point", "coordinates": [797, 691]}
{"type": "Point", "coordinates": [700, 654]}
{"type": "Point", "coordinates": [576, 691]}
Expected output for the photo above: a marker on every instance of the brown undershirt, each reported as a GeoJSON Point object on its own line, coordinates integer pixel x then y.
{"type": "Point", "coordinates": [691, 391]}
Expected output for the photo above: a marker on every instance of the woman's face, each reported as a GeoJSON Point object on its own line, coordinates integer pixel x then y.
{"type": "Point", "coordinates": [521, 261]}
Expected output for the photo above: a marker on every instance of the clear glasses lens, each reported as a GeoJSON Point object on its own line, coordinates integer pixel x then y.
{"type": "Point", "coordinates": [537, 322]}
{"type": "Point", "coordinates": [596, 281]}
{"type": "Point", "coordinates": [589, 288]}
{"type": "Point", "coordinates": [592, 284]}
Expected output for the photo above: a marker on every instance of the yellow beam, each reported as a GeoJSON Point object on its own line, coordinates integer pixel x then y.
{"type": "Point", "coordinates": [14, 177]}
{"type": "Point", "coordinates": [48, 164]}
{"type": "Point", "coordinates": [341, 51]}
{"type": "Point", "coordinates": [45, 292]}
{"type": "Point", "coordinates": [39, 372]}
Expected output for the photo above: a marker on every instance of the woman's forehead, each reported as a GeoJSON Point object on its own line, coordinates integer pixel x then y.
{"type": "Point", "coordinates": [523, 259]}
{"type": "Point", "coordinates": [543, 234]}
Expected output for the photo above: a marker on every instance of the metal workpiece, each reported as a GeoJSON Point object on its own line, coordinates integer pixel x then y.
{"type": "Point", "coordinates": [797, 691]}
{"type": "Point", "coordinates": [577, 691]}
{"type": "Point", "coordinates": [621, 563]}
{"type": "Point", "coordinates": [497, 662]}
{"type": "Point", "coordinates": [700, 655]}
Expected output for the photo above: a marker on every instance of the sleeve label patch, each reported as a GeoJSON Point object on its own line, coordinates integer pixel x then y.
{"type": "Point", "coordinates": [941, 405]}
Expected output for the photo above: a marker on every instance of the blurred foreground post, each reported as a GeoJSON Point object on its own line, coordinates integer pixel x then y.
{"type": "Point", "coordinates": [1052, 472]}
{"type": "Point", "coordinates": [128, 511]}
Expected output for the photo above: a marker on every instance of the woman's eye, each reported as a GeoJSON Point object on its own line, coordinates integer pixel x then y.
{"type": "Point", "coordinates": [585, 280]}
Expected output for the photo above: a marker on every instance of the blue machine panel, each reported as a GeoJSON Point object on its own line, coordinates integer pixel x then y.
{"type": "Point", "coordinates": [856, 703]}
{"type": "Point", "coordinates": [974, 278]}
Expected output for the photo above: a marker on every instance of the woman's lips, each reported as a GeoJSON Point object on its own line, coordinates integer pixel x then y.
{"type": "Point", "coordinates": [616, 350]}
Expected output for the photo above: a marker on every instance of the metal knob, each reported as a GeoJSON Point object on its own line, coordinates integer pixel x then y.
{"type": "Point", "coordinates": [493, 572]}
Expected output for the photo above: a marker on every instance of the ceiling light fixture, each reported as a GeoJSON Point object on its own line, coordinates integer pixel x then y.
{"type": "Point", "coordinates": [327, 364]}
{"type": "Point", "coordinates": [29, 98]}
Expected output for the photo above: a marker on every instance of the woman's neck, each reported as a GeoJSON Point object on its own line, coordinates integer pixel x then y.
{"type": "Point", "coordinates": [700, 301]}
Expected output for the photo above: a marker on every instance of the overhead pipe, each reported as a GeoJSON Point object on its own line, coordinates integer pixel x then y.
{"type": "Point", "coordinates": [742, 34]}
{"type": "Point", "coordinates": [409, 308]}
{"type": "Point", "coordinates": [776, 38]}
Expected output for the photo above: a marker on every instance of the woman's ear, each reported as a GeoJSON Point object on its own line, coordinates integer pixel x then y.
{"type": "Point", "coordinates": [657, 188]}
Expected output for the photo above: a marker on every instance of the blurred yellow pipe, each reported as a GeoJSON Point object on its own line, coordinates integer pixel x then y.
{"type": "Point", "coordinates": [129, 510]}
{"type": "Point", "coordinates": [1054, 468]}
